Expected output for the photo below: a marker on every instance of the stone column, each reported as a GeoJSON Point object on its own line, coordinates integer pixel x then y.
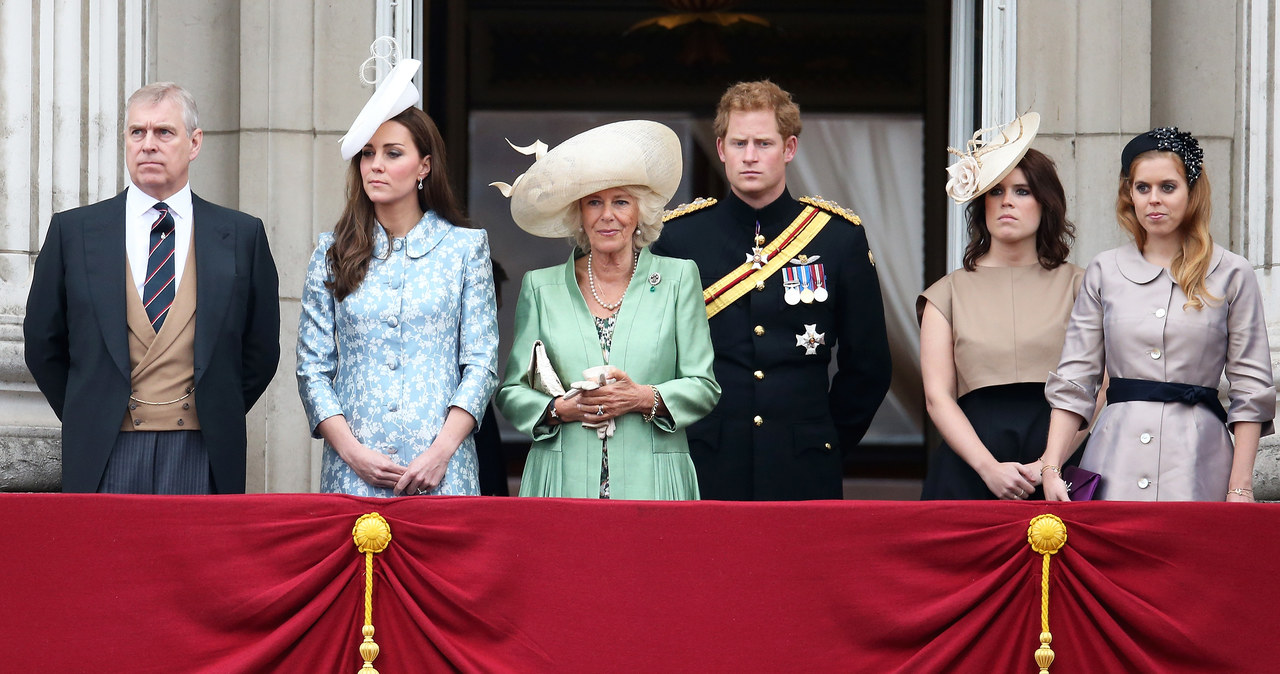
{"type": "Point", "coordinates": [278, 86]}
{"type": "Point", "coordinates": [66, 68]}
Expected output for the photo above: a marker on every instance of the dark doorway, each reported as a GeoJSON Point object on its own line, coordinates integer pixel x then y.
{"type": "Point", "coordinates": [661, 57]}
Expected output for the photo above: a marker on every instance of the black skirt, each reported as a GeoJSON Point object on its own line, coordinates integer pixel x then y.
{"type": "Point", "coordinates": [1012, 420]}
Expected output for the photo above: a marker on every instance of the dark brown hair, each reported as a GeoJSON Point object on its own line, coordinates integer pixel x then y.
{"type": "Point", "coordinates": [352, 247]}
{"type": "Point", "coordinates": [761, 95]}
{"type": "Point", "coordinates": [1055, 234]}
{"type": "Point", "coordinates": [1191, 265]}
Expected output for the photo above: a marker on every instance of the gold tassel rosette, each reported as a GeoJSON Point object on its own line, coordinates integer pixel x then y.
{"type": "Point", "coordinates": [1047, 535]}
{"type": "Point", "coordinates": [372, 534]}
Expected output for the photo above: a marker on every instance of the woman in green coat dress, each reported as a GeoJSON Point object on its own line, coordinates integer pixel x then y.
{"type": "Point", "coordinates": [636, 320]}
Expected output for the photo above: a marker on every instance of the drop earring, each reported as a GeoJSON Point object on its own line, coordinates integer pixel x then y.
{"type": "Point", "coordinates": [419, 183]}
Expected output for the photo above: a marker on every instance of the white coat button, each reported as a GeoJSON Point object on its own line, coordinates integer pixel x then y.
{"type": "Point", "coordinates": [1145, 438]}
{"type": "Point", "coordinates": [399, 243]}
{"type": "Point", "coordinates": [393, 321]}
{"type": "Point", "coordinates": [1160, 312]}
{"type": "Point", "coordinates": [392, 450]}
{"type": "Point", "coordinates": [391, 365]}
{"type": "Point", "coordinates": [1143, 483]}
{"type": "Point", "coordinates": [391, 407]}
{"type": "Point", "coordinates": [1155, 354]}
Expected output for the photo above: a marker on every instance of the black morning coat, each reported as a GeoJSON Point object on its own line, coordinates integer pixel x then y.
{"type": "Point", "coordinates": [77, 344]}
{"type": "Point", "coordinates": [782, 420]}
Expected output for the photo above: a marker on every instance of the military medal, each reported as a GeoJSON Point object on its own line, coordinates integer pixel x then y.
{"type": "Point", "coordinates": [790, 286]}
{"type": "Point", "coordinates": [811, 339]}
{"type": "Point", "coordinates": [806, 283]}
{"type": "Point", "coordinates": [820, 283]}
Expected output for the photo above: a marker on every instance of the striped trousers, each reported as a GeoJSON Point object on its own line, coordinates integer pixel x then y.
{"type": "Point", "coordinates": [157, 462]}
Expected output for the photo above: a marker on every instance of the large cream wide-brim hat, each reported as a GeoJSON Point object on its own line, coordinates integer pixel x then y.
{"type": "Point", "coordinates": [980, 169]}
{"type": "Point", "coordinates": [621, 154]}
{"type": "Point", "coordinates": [393, 96]}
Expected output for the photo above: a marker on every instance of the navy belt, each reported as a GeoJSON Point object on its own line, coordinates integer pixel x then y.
{"type": "Point", "coordinates": [1129, 390]}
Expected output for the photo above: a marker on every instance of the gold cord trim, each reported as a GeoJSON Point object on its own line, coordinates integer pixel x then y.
{"type": "Point", "coordinates": [372, 534]}
{"type": "Point", "coordinates": [1047, 534]}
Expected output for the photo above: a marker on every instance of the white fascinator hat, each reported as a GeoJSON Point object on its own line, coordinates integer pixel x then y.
{"type": "Point", "coordinates": [984, 163]}
{"type": "Point", "coordinates": [395, 94]}
{"type": "Point", "coordinates": [642, 153]}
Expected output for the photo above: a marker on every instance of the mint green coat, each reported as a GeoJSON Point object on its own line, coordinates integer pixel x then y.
{"type": "Point", "coordinates": [661, 338]}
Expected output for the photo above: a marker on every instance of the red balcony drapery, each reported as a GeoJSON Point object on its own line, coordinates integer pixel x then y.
{"type": "Point", "coordinates": [273, 583]}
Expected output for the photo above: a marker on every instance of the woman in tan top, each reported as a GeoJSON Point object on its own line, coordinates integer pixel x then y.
{"type": "Point", "coordinates": [1166, 316]}
{"type": "Point", "coordinates": [991, 332]}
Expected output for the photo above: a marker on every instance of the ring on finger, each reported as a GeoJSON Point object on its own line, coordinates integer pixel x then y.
{"type": "Point", "coordinates": [599, 410]}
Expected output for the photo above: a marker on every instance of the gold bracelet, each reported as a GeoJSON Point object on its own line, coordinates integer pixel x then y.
{"type": "Point", "coordinates": [654, 411]}
{"type": "Point", "coordinates": [1050, 466]}
{"type": "Point", "coordinates": [1240, 491]}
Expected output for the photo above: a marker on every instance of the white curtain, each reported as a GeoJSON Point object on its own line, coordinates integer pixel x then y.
{"type": "Point", "coordinates": [873, 165]}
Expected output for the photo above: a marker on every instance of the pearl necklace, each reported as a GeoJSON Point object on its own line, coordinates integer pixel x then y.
{"type": "Point", "coordinates": [591, 281]}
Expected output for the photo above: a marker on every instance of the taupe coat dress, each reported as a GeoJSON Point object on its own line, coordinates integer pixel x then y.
{"type": "Point", "coordinates": [1129, 317]}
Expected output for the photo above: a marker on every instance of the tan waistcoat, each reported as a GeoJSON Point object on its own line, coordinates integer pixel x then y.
{"type": "Point", "coordinates": [163, 365]}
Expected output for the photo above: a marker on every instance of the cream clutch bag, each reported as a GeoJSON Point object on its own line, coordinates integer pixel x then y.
{"type": "Point", "coordinates": [542, 377]}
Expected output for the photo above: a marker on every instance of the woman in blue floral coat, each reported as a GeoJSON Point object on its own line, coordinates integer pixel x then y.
{"type": "Point", "coordinates": [397, 340]}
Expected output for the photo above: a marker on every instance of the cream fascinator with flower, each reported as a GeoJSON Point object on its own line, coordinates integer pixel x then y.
{"type": "Point", "coordinates": [986, 162]}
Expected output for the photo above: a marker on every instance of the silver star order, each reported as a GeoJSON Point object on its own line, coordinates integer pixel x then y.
{"type": "Point", "coordinates": [757, 257]}
{"type": "Point", "coordinates": [811, 339]}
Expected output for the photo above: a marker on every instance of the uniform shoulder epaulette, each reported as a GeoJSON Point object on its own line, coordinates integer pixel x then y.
{"type": "Point", "coordinates": [832, 207]}
{"type": "Point", "coordinates": [685, 209]}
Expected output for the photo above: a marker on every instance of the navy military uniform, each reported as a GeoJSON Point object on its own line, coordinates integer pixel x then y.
{"type": "Point", "coordinates": [781, 422]}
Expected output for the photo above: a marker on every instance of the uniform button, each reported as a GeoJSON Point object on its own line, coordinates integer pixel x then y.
{"type": "Point", "coordinates": [759, 374]}
{"type": "Point", "coordinates": [759, 331]}
{"type": "Point", "coordinates": [1160, 312]}
{"type": "Point", "coordinates": [138, 422]}
{"type": "Point", "coordinates": [759, 285]}
{"type": "Point", "coordinates": [133, 406]}
{"type": "Point", "coordinates": [1155, 354]}
{"type": "Point", "coordinates": [186, 406]}
{"type": "Point", "coordinates": [179, 422]}
{"type": "Point", "coordinates": [1143, 483]}
{"type": "Point", "coordinates": [827, 446]}
{"type": "Point", "coordinates": [1145, 438]}
{"type": "Point", "coordinates": [393, 321]}
{"type": "Point", "coordinates": [758, 421]}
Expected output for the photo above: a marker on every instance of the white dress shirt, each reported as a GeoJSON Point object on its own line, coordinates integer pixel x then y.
{"type": "Point", "coordinates": [139, 215]}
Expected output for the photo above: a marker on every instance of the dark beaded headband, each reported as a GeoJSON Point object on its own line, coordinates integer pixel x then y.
{"type": "Point", "coordinates": [1166, 139]}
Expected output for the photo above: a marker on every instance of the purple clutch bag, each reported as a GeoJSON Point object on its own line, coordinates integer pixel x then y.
{"type": "Point", "coordinates": [1081, 483]}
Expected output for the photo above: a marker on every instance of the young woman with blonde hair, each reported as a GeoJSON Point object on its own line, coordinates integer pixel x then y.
{"type": "Point", "coordinates": [1166, 316]}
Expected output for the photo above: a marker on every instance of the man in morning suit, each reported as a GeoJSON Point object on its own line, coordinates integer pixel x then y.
{"type": "Point", "coordinates": [786, 282]}
{"type": "Point", "coordinates": [153, 323]}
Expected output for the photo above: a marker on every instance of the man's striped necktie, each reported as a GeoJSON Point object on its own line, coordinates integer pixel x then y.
{"type": "Point", "coordinates": [158, 291]}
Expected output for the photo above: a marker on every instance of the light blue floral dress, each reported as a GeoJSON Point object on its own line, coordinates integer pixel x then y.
{"type": "Point", "coordinates": [419, 336]}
